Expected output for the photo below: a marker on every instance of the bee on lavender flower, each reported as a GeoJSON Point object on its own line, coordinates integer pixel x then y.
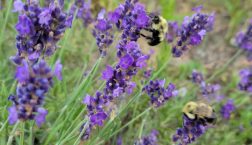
{"type": "Point", "coordinates": [199, 111]}
{"type": "Point", "coordinates": [157, 30]}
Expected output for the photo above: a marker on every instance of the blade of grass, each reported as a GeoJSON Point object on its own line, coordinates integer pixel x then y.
{"type": "Point", "coordinates": [10, 139]}
{"type": "Point", "coordinates": [77, 92]}
{"type": "Point", "coordinates": [4, 27]}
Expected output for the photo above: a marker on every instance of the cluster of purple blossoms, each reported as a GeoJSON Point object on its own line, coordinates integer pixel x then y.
{"type": "Point", "coordinates": [227, 109]}
{"type": "Point", "coordinates": [190, 131]}
{"type": "Point", "coordinates": [158, 93]}
{"type": "Point", "coordinates": [151, 139]}
{"type": "Point", "coordinates": [244, 40]}
{"type": "Point", "coordinates": [84, 11]}
{"type": "Point", "coordinates": [209, 91]}
{"type": "Point", "coordinates": [129, 17]}
{"type": "Point", "coordinates": [147, 73]}
{"type": "Point", "coordinates": [245, 83]}
{"type": "Point", "coordinates": [173, 31]}
{"type": "Point", "coordinates": [118, 82]}
{"type": "Point", "coordinates": [33, 83]}
{"type": "Point", "coordinates": [192, 31]}
{"type": "Point", "coordinates": [102, 32]}
{"type": "Point", "coordinates": [39, 29]}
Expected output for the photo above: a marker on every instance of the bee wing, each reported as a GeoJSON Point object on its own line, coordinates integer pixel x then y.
{"type": "Point", "coordinates": [201, 99]}
{"type": "Point", "coordinates": [204, 110]}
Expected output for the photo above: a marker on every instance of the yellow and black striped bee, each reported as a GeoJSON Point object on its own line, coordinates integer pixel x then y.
{"type": "Point", "coordinates": [201, 112]}
{"type": "Point", "coordinates": [157, 30]}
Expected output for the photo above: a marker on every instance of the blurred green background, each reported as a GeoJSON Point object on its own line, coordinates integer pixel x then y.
{"type": "Point", "coordinates": [79, 54]}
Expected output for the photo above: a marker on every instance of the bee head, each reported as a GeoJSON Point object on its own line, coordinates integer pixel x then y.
{"type": "Point", "coordinates": [190, 109]}
{"type": "Point", "coordinates": [155, 18]}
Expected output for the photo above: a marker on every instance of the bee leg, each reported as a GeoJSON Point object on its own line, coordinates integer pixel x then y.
{"type": "Point", "coordinates": [146, 37]}
{"type": "Point", "coordinates": [149, 29]}
{"type": "Point", "coordinates": [203, 121]}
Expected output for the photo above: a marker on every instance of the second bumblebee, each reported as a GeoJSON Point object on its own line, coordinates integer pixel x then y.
{"type": "Point", "coordinates": [199, 111]}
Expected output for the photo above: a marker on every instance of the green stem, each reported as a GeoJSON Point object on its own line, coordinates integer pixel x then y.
{"type": "Point", "coordinates": [80, 90]}
{"type": "Point", "coordinates": [2, 128]}
{"type": "Point", "coordinates": [4, 26]}
{"type": "Point", "coordinates": [21, 142]}
{"type": "Point", "coordinates": [82, 132]}
{"type": "Point", "coordinates": [141, 129]}
{"type": "Point", "coordinates": [12, 134]}
{"type": "Point", "coordinates": [31, 133]}
{"type": "Point", "coordinates": [73, 131]}
{"type": "Point", "coordinates": [69, 128]}
{"type": "Point", "coordinates": [130, 122]}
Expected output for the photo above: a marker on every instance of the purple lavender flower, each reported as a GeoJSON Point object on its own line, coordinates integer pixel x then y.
{"type": "Point", "coordinates": [98, 118]}
{"type": "Point", "coordinates": [70, 16]}
{"type": "Point", "coordinates": [130, 17]}
{"type": "Point", "coordinates": [119, 141]}
{"type": "Point", "coordinates": [25, 26]}
{"type": "Point", "coordinates": [84, 11]}
{"type": "Point", "coordinates": [126, 61]}
{"type": "Point", "coordinates": [14, 114]}
{"type": "Point", "coordinates": [131, 59]}
{"type": "Point", "coordinates": [227, 109]}
{"type": "Point", "coordinates": [102, 33]}
{"type": "Point", "coordinates": [58, 70]}
{"type": "Point", "coordinates": [108, 73]}
{"type": "Point", "coordinates": [22, 72]}
{"type": "Point", "coordinates": [158, 93]}
{"type": "Point", "coordinates": [244, 41]}
{"type": "Point", "coordinates": [209, 91]}
{"type": "Point", "coordinates": [87, 131]}
{"type": "Point", "coordinates": [192, 31]}
{"type": "Point", "coordinates": [45, 16]}
{"type": "Point", "coordinates": [173, 31]}
{"type": "Point", "coordinates": [197, 77]}
{"type": "Point", "coordinates": [151, 139]}
{"type": "Point", "coordinates": [245, 83]}
{"type": "Point", "coordinates": [148, 73]}
{"type": "Point", "coordinates": [39, 29]}
{"type": "Point", "coordinates": [190, 131]}
{"type": "Point", "coordinates": [40, 118]}
{"type": "Point", "coordinates": [18, 6]}
{"type": "Point", "coordinates": [97, 115]}
{"type": "Point", "coordinates": [30, 93]}
{"type": "Point", "coordinates": [95, 110]}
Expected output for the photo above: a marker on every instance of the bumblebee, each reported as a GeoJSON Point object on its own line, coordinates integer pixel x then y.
{"type": "Point", "coordinates": [201, 112]}
{"type": "Point", "coordinates": [157, 30]}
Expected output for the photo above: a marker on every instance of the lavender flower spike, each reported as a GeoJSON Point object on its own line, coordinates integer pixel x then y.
{"type": "Point", "coordinates": [210, 92]}
{"type": "Point", "coordinates": [192, 31]}
{"type": "Point", "coordinates": [102, 32]}
{"type": "Point", "coordinates": [158, 93]}
{"type": "Point", "coordinates": [190, 131]}
{"type": "Point", "coordinates": [39, 29]}
{"type": "Point", "coordinates": [84, 11]}
{"type": "Point", "coordinates": [244, 40]}
{"type": "Point", "coordinates": [150, 139]}
{"type": "Point", "coordinates": [245, 83]}
{"type": "Point", "coordinates": [33, 84]}
{"type": "Point", "coordinates": [227, 109]}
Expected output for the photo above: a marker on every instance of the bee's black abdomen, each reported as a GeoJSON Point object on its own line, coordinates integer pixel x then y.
{"type": "Point", "coordinates": [154, 41]}
{"type": "Point", "coordinates": [210, 120]}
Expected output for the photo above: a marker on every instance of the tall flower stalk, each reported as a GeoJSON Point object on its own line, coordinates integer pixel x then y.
{"type": "Point", "coordinates": [130, 18]}
{"type": "Point", "coordinates": [39, 29]}
{"type": "Point", "coordinates": [192, 31]}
